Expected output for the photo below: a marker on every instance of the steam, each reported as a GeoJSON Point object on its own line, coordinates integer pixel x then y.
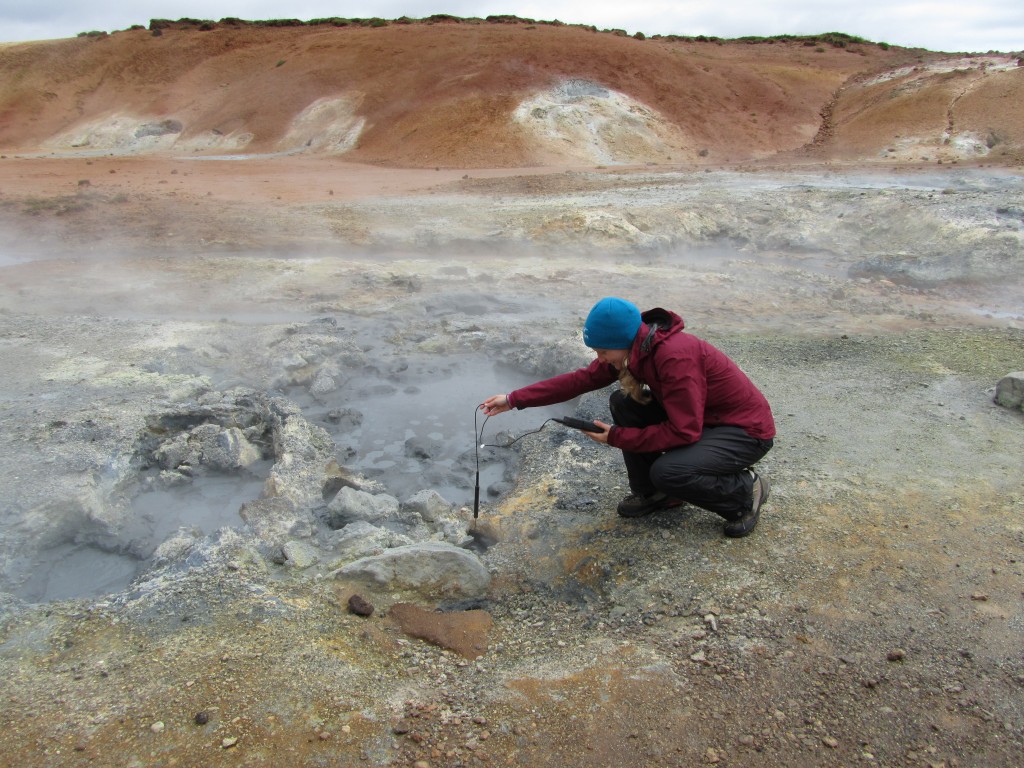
{"type": "Point", "coordinates": [389, 350]}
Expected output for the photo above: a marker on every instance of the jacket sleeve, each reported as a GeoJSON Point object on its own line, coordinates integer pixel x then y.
{"type": "Point", "coordinates": [564, 387]}
{"type": "Point", "coordinates": [680, 384]}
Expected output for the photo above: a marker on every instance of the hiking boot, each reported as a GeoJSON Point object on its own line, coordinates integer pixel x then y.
{"type": "Point", "coordinates": [636, 505]}
{"type": "Point", "coordinates": [744, 525]}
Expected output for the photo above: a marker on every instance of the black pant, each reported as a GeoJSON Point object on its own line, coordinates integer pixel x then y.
{"type": "Point", "coordinates": [710, 473]}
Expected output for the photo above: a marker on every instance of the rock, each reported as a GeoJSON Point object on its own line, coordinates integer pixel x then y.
{"type": "Point", "coordinates": [209, 445]}
{"type": "Point", "coordinates": [224, 450]}
{"type": "Point", "coordinates": [300, 554]}
{"type": "Point", "coordinates": [174, 452]}
{"type": "Point", "coordinates": [380, 509]}
{"type": "Point", "coordinates": [338, 477]}
{"type": "Point", "coordinates": [177, 546]}
{"type": "Point", "coordinates": [276, 520]}
{"type": "Point", "coordinates": [225, 548]}
{"type": "Point", "coordinates": [433, 569]}
{"type": "Point", "coordinates": [205, 435]}
{"type": "Point", "coordinates": [303, 453]}
{"type": "Point", "coordinates": [351, 505]}
{"type": "Point", "coordinates": [323, 384]}
{"type": "Point", "coordinates": [442, 520]}
{"type": "Point", "coordinates": [292, 362]}
{"type": "Point", "coordinates": [361, 539]}
{"type": "Point", "coordinates": [429, 505]}
{"type": "Point", "coordinates": [360, 606]}
{"type": "Point", "coordinates": [465, 632]}
{"type": "Point", "coordinates": [1010, 391]}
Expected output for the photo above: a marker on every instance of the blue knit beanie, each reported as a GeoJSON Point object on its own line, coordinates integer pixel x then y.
{"type": "Point", "coordinates": [611, 324]}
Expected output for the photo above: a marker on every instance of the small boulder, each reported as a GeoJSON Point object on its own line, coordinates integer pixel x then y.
{"type": "Point", "coordinates": [380, 509]}
{"type": "Point", "coordinates": [323, 384]}
{"type": "Point", "coordinates": [1010, 391]}
{"type": "Point", "coordinates": [351, 505]}
{"type": "Point", "coordinates": [429, 505]}
{"type": "Point", "coordinates": [440, 517]}
{"type": "Point", "coordinates": [300, 554]}
{"type": "Point", "coordinates": [360, 539]}
{"type": "Point", "coordinates": [432, 569]}
{"type": "Point", "coordinates": [225, 449]}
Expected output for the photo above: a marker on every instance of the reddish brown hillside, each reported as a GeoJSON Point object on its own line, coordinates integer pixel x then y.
{"type": "Point", "coordinates": [953, 109]}
{"type": "Point", "coordinates": [426, 95]}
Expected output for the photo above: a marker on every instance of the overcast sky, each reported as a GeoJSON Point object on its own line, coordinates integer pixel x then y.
{"type": "Point", "coordinates": [965, 25]}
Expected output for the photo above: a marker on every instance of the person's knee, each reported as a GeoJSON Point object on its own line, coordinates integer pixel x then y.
{"type": "Point", "coordinates": [668, 476]}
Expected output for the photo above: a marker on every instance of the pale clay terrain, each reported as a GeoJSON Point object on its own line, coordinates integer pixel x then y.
{"type": "Point", "coordinates": [874, 617]}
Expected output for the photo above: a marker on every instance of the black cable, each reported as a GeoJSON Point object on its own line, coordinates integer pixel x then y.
{"type": "Point", "coordinates": [478, 433]}
{"type": "Point", "coordinates": [514, 440]}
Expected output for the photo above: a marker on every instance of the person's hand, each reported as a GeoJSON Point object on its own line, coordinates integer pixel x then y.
{"type": "Point", "coordinates": [600, 437]}
{"type": "Point", "coordinates": [495, 404]}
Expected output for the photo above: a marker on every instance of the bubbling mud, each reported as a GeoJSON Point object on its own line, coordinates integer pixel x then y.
{"type": "Point", "coordinates": [415, 430]}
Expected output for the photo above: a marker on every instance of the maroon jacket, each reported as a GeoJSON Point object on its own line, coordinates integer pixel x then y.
{"type": "Point", "coordinates": [696, 384]}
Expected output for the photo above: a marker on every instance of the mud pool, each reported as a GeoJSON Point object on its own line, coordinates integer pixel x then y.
{"type": "Point", "coordinates": [410, 430]}
{"type": "Point", "coordinates": [87, 567]}
{"type": "Point", "coordinates": [416, 431]}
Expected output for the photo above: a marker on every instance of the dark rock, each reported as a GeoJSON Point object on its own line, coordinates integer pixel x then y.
{"type": "Point", "coordinates": [359, 606]}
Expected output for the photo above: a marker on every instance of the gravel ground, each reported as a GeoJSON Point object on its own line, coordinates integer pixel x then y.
{"type": "Point", "coordinates": [873, 618]}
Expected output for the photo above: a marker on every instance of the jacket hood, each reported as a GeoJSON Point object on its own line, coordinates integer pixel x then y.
{"type": "Point", "coordinates": [656, 325]}
{"type": "Point", "coordinates": [668, 322]}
